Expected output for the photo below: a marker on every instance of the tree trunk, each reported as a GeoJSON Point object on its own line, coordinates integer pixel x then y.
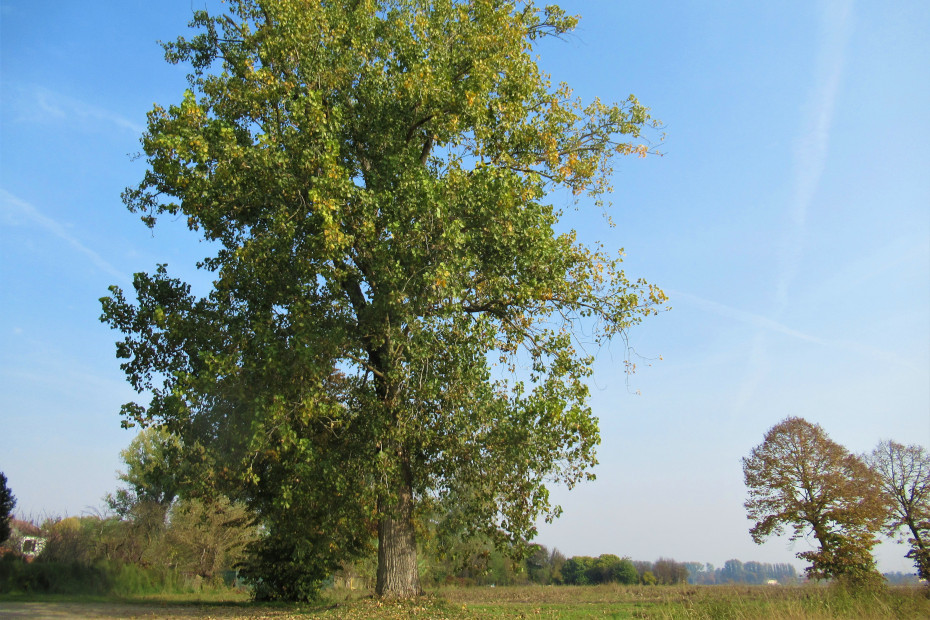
{"type": "Point", "coordinates": [398, 574]}
{"type": "Point", "coordinates": [919, 550]}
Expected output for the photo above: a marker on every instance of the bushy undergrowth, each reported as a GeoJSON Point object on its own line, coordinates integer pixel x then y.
{"type": "Point", "coordinates": [110, 579]}
{"type": "Point", "coordinates": [53, 577]}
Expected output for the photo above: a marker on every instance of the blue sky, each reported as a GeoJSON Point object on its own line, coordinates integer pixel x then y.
{"type": "Point", "coordinates": [788, 220]}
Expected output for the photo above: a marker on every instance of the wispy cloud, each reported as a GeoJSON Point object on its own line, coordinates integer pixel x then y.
{"type": "Point", "coordinates": [809, 161]}
{"type": "Point", "coordinates": [13, 206]}
{"type": "Point", "coordinates": [757, 367]}
{"type": "Point", "coordinates": [812, 144]}
{"type": "Point", "coordinates": [34, 103]}
{"type": "Point", "coordinates": [758, 362]}
{"type": "Point", "coordinates": [749, 318]}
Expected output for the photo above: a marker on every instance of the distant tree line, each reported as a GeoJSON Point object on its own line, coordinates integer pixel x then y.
{"type": "Point", "coordinates": [477, 562]}
{"type": "Point", "coordinates": [897, 578]}
{"type": "Point", "coordinates": [162, 523]}
{"type": "Point", "coordinates": [606, 568]}
{"type": "Point", "coordinates": [735, 571]}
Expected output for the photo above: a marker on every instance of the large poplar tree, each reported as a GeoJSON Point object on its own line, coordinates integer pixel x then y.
{"type": "Point", "coordinates": [394, 322]}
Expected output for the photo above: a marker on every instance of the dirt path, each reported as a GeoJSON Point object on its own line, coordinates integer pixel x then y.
{"type": "Point", "coordinates": [58, 611]}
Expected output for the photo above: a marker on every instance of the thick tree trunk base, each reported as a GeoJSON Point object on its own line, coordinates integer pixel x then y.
{"type": "Point", "coordinates": [398, 573]}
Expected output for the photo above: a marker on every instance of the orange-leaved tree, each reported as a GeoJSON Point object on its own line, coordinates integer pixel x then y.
{"type": "Point", "coordinates": [799, 478]}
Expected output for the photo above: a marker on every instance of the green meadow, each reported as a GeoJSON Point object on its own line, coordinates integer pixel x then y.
{"type": "Point", "coordinates": [568, 602]}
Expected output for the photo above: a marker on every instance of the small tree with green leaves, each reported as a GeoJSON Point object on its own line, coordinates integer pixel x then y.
{"type": "Point", "coordinates": [575, 570]}
{"type": "Point", "coordinates": [208, 536]}
{"type": "Point", "coordinates": [153, 470]}
{"type": "Point", "coordinates": [799, 478]}
{"type": "Point", "coordinates": [7, 504]}
{"type": "Point", "coordinates": [168, 514]}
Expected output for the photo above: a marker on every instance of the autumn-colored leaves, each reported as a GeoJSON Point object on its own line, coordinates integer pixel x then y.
{"type": "Point", "coordinates": [800, 478]}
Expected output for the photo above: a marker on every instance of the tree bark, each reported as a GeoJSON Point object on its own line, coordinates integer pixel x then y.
{"type": "Point", "coordinates": [398, 573]}
{"type": "Point", "coordinates": [921, 554]}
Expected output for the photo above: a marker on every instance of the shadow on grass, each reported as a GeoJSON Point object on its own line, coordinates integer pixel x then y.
{"type": "Point", "coordinates": [23, 606]}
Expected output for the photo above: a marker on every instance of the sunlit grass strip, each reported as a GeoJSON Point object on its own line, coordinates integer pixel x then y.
{"type": "Point", "coordinates": [564, 602]}
{"type": "Point", "coordinates": [749, 602]}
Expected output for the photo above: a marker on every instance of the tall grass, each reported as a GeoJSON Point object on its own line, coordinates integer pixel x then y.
{"type": "Point", "coordinates": [811, 603]}
{"type": "Point", "coordinates": [692, 602]}
{"type": "Point", "coordinates": [106, 579]}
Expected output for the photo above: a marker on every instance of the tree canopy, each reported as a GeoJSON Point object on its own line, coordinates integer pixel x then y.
{"type": "Point", "coordinates": [153, 472]}
{"type": "Point", "coordinates": [798, 477]}
{"type": "Point", "coordinates": [395, 325]}
{"type": "Point", "coordinates": [7, 504]}
{"type": "Point", "coordinates": [904, 475]}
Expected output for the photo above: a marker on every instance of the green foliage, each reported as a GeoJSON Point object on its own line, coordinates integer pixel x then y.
{"type": "Point", "coordinates": [52, 577]}
{"type": "Point", "coordinates": [477, 560]}
{"type": "Point", "coordinates": [575, 570]}
{"type": "Point", "coordinates": [540, 567]}
{"type": "Point", "coordinates": [373, 178]}
{"type": "Point", "coordinates": [153, 474]}
{"type": "Point", "coordinates": [152, 478]}
{"type": "Point", "coordinates": [87, 540]}
{"type": "Point", "coordinates": [606, 568]}
{"type": "Point", "coordinates": [609, 568]}
{"type": "Point", "coordinates": [626, 573]}
{"type": "Point", "coordinates": [200, 541]}
{"type": "Point", "coordinates": [206, 537]}
{"type": "Point", "coordinates": [304, 539]}
{"type": "Point", "coordinates": [201, 534]}
{"type": "Point", "coordinates": [285, 566]}
{"type": "Point", "coordinates": [101, 578]}
{"type": "Point", "coordinates": [557, 563]}
{"type": "Point", "coordinates": [7, 504]}
{"type": "Point", "coordinates": [96, 555]}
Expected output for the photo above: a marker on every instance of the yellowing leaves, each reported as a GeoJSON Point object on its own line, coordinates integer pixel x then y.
{"type": "Point", "coordinates": [159, 317]}
{"type": "Point", "coordinates": [310, 163]}
{"type": "Point", "coordinates": [640, 150]}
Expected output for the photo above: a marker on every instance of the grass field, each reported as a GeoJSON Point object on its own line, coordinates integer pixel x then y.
{"type": "Point", "coordinates": [568, 602]}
